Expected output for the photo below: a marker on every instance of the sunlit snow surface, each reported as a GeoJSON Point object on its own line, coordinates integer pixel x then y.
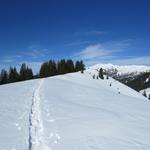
{"type": "Point", "coordinates": [73, 112]}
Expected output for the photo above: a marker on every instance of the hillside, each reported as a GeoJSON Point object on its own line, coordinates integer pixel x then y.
{"type": "Point", "coordinates": [134, 76]}
{"type": "Point", "coordinates": [72, 112]}
{"type": "Point", "coordinates": [123, 69]}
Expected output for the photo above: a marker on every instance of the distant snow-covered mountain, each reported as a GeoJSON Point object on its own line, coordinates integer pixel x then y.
{"type": "Point", "coordinates": [123, 70]}
{"type": "Point", "coordinates": [135, 76]}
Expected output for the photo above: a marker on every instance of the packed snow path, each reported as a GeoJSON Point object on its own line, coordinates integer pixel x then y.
{"type": "Point", "coordinates": [36, 129]}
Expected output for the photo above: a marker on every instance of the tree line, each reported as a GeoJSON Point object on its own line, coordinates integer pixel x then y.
{"type": "Point", "coordinates": [47, 69]}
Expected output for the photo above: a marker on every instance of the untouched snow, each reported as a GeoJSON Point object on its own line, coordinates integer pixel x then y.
{"type": "Point", "coordinates": [123, 69]}
{"type": "Point", "coordinates": [73, 112]}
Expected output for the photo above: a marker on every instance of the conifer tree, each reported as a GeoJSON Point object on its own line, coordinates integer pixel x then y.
{"type": "Point", "coordinates": [61, 66]}
{"type": "Point", "coordinates": [69, 66]}
{"type": "Point", "coordinates": [29, 73]}
{"type": "Point", "coordinates": [25, 73]}
{"type": "Point", "coordinates": [94, 76]}
{"type": "Point", "coordinates": [52, 68]}
{"type": "Point", "coordinates": [13, 75]}
{"type": "Point", "coordinates": [4, 77]}
{"type": "Point", "coordinates": [44, 72]}
{"type": "Point", "coordinates": [101, 74]}
{"type": "Point", "coordinates": [107, 77]}
{"type": "Point", "coordinates": [144, 93]}
{"type": "Point", "coordinates": [79, 66]}
{"type": "Point", "coordinates": [82, 66]}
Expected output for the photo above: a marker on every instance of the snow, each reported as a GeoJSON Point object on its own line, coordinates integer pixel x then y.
{"type": "Point", "coordinates": [126, 69]}
{"type": "Point", "coordinates": [147, 91]}
{"type": "Point", "coordinates": [147, 80]}
{"type": "Point", "coordinates": [36, 129]}
{"type": "Point", "coordinates": [73, 112]}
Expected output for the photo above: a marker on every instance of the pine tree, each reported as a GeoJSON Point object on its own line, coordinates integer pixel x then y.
{"type": "Point", "coordinates": [44, 72]}
{"type": "Point", "coordinates": [94, 76]}
{"type": "Point", "coordinates": [69, 66]}
{"type": "Point", "coordinates": [13, 75]}
{"type": "Point", "coordinates": [82, 66]}
{"type": "Point", "coordinates": [4, 77]}
{"type": "Point", "coordinates": [29, 73]}
{"type": "Point", "coordinates": [52, 68]}
{"type": "Point", "coordinates": [25, 73]}
{"type": "Point", "coordinates": [61, 66]}
{"type": "Point", "coordinates": [144, 93]}
{"type": "Point", "coordinates": [79, 66]}
{"type": "Point", "coordinates": [101, 74]}
{"type": "Point", "coordinates": [107, 77]}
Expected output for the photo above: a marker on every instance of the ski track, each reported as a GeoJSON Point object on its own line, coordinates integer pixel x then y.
{"type": "Point", "coordinates": [36, 128]}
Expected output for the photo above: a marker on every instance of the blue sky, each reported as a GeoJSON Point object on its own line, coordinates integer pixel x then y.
{"type": "Point", "coordinates": [97, 31]}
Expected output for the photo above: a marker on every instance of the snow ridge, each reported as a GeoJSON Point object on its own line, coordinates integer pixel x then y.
{"type": "Point", "coordinates": [36, 128]}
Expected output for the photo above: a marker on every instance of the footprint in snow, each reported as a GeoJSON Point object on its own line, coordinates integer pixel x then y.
{"type": "Point", "coordinates": [18, 127]}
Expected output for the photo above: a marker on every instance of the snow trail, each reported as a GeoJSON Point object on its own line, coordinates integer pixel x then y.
{"type": "Point", "coordinates": [36, 128]}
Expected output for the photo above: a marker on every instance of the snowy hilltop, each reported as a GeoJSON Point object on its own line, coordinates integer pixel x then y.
{"type": "Point", "coordinates": [71, 112]}
{"type": "Point", "coordinates": [123, 69]}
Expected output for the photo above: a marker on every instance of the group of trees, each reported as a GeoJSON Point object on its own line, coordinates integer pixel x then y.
{"type": "Point", "coordinates": [101, 74]}
{"type": "Point", "coordinates": [13, 75]}
{"type": "Point", "coordinates": [63, 66]}
{"type": "Point", "coordinates": [49, 68]}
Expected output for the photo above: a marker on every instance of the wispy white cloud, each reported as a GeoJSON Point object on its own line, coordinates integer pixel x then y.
{"type": "Point", "coordinates": [28, 54]}
{"type": "Point", "coordinates": [31, 57]}
{"type": "Point", "coordinates": [10, 59]}
{"type": "Point", "coordinates": [109, 52]}
{"type": "Point", "coordinates": [94, 51]}
{"type": "Point", "coordinates": [102, 50]}
{"type": "Point", "coordinates": [90, 33]}
{"type": "Point", "coordinates": [77, 43]}
{"type": "Point", "coordinates": [35, 53]}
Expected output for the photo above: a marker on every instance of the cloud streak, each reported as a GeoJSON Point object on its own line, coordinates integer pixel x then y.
{"type": "Point", "coordinates": [90, 33]}
{"type": "Point", "coordinates": [77, 43]}
{"type": "Point", "coordinates": [109, 52]}
{"type": "Point", "coordinates": [35, 53]}
{"type": "Point", "coordinates": [102, 50]}
{"type": "Point", "coordinates": [95, 51]}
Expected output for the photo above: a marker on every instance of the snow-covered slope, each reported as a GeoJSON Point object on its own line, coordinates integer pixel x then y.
{"type": "Point", "coordinates": [73, 112]}
{"type": "Point", "coordinates": [123, 69]}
